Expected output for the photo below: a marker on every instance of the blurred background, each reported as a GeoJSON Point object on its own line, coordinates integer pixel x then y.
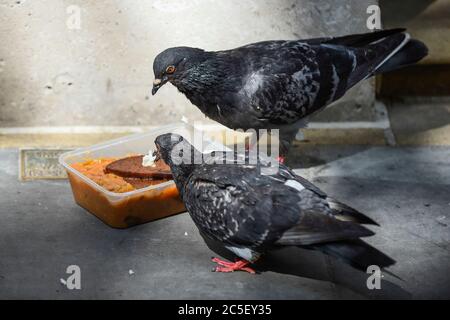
{"type": "Point", "coordinates": [75, 73]}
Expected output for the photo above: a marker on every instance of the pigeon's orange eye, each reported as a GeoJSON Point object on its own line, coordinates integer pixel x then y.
{"type": "Point", "coordinates": [170, 69]}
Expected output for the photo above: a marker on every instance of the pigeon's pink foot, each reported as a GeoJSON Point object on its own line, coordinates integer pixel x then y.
{"type": "Point", "coordinates": [239, 265]}
{"type": "Point", "coordinates": [281, 159]}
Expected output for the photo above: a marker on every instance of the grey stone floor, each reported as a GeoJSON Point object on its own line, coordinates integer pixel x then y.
{"type": "Point", "coordinates": [407, 190]}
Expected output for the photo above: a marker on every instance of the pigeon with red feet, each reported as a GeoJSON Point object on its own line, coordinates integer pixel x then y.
{"type": "Point", "coordinates": [280, 84]}
{"type": "Point", "coordinates": [251, 208]}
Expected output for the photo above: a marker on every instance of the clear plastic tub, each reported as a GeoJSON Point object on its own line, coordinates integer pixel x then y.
{"type": "Point", "coordinates": [123, 210]}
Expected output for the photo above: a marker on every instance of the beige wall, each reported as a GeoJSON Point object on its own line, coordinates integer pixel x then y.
{"type": "Point", "coordinates": [101, 74]}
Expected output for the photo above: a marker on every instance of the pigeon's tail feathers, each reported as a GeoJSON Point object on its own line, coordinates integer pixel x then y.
{"type": "Point", "coordinates": [356, 253]}
{"type": "Point", "coordinates": [372, 57]}
{"type": "Point", "coordinates": [392, 46]}
{"type": "Point", "coordinates": [412, 52]}
{"type": "Point", "coordinates": [345, 213]}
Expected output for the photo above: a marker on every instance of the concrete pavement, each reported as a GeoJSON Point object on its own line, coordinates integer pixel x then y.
{"type": "Point", "coordinates": [42, 231]}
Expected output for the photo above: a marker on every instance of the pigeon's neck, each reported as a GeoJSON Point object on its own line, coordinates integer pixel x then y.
{"type": "Point", "coordinates": [182, 168]}
{"type": "Point", "coordinates": [200, 77]}
{"type": "Point", "coordinates": [181, 172]}
{"type": "Point", "coordinates": [181, 175]}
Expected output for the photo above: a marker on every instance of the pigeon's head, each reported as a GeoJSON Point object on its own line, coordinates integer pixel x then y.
{"type": "Point", "coordinates": [170, 145]}
{"type": "Point", "coordinates": [173, 64]}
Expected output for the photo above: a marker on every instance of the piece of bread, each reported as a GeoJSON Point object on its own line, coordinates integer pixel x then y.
{"type": "Point", "coordinates": [132, 167]}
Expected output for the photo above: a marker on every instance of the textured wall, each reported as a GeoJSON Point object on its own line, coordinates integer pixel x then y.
{"type": "Point", "coordinates": [101, 74]}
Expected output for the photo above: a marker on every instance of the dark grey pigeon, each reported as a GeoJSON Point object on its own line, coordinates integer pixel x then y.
{"type": "Point", "coordinates": [251, 213]}
{"type": "Point", "coordinates": [279, 84]}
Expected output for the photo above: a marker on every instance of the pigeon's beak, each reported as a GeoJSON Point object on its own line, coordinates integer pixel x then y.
{"type": "Point", "coordinates": [157, 155]}
{"type": "Point", "coordinates": [157, 84]}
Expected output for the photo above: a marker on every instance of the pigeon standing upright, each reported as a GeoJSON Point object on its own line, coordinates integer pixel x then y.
{"type": "Point", "coordinates": [280, 84]}
{"type": "Point", "coordinates": [251, 213]}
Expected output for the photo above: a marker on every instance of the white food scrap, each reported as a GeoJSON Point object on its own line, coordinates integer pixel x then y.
{"type": "Point", "coordinates": [149, 160]}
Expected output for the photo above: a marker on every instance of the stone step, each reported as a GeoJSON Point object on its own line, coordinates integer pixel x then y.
{"type": "Point", "coordinates": [420, 123]}
{"type": "Point", "coordinates": [420, 80]}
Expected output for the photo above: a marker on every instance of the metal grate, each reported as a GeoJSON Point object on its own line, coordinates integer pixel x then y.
{"type": "Point", "coordinates": [41, 164]}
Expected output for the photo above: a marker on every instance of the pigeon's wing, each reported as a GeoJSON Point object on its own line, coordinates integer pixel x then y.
{"type": "Point", "coordinates": [283, 173]}
{"type": "Point", "coordinates": [240, 207]}
{"type": "Point", "coordinates": [380, 51]}
{"type": "Point", "coordinates": [340, 210]}
{"type": "Point", "coordinates": [230, 203]}
{"type": "Point", "coordinates": [286, 173]}
{"type": "Point", "coordinates": [323, 218]}
{"type": "Point", "coordinates": [289, 80]}
{"type": "Point", "coordinates": [282, 80]}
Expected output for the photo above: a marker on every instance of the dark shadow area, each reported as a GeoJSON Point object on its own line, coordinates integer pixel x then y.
{"type": "Point", "coordinates": [426, 80]}
{"type": "Point", "coordinates": [314, 265]}
{"type": "Point", "coordinates": [414, 230]}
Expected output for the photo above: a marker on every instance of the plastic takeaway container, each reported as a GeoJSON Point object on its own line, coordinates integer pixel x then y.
{"type": "Point", "coordinates": [123, 210]}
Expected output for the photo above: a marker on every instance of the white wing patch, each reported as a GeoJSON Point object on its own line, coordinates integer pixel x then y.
{"type": "Point", "coordinates": [244, 253]}
{"type": "Point", "coordinates": [294, 184]}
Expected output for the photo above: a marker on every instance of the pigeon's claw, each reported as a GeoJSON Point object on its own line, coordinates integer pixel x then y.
{"type": "Point", "coordinates": [222, 262]}
{"type": "Point", "coordinates": [239, 265]}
